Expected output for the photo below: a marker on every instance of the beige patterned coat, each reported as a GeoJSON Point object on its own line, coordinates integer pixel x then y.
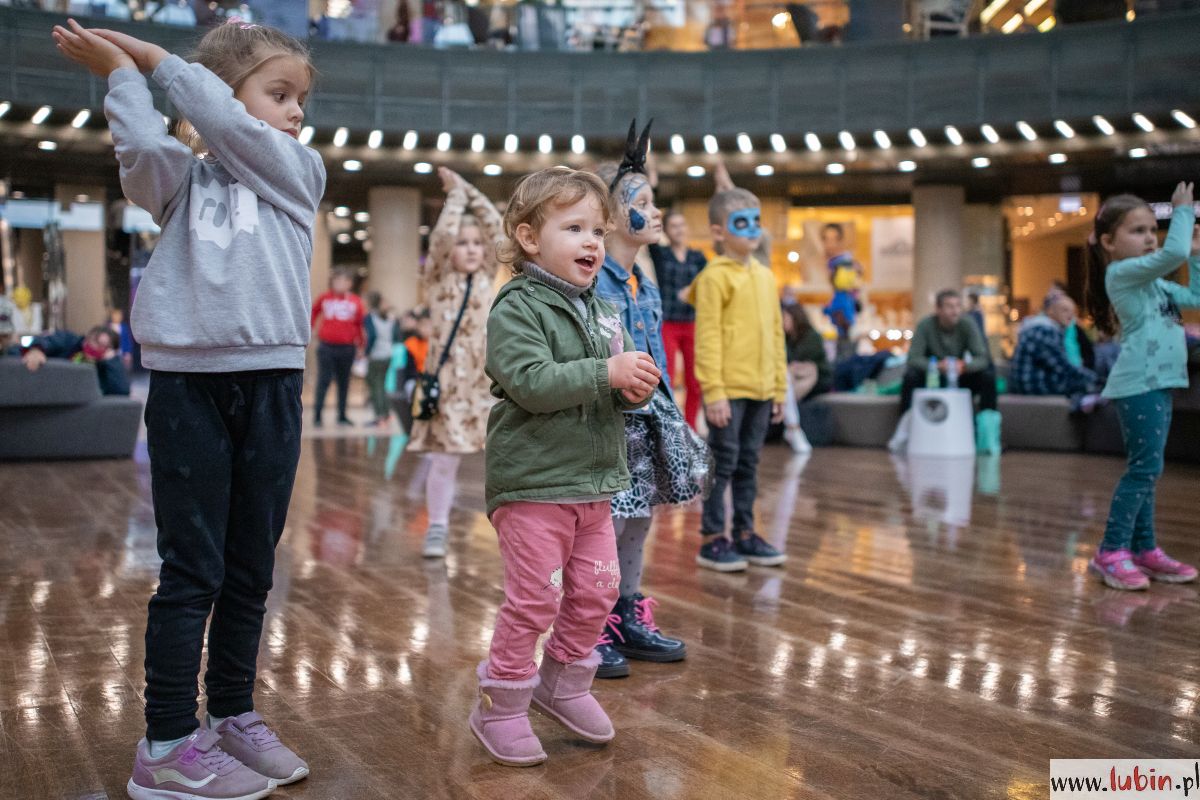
{"type": "Point", "coordinates": [460, 425]}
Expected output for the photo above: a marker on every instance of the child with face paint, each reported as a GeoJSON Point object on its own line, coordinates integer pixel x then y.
{"type": "Point", "coordinates": [458, 279]}
{"type": "Point", "coordinates": [631, 631]}
{"type": "Point", "coordinates": [741, 364]}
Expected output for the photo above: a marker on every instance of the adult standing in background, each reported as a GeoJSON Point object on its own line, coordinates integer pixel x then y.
{"type": "Point", "coordinates": [676, 266]}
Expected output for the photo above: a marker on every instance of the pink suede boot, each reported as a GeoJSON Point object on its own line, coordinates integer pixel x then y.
{"type": "Point", "coordinates": [500, 720]}
{"type": "Point", "coordinates": [565, 695]}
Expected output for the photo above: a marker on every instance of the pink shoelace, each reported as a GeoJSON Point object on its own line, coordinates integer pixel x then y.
{"type": "Point", "coordinates": [206, 750]}
{"type": "Point", "coordinates": [644, 611]}
{"type": "Point", "coordinates": [259, 734]}
{"type": "Point", "coordinates": [610, 624]}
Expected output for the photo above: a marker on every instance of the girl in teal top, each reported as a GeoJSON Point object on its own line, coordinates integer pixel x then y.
{"type": "Point", "coordinates": [1127, 291]}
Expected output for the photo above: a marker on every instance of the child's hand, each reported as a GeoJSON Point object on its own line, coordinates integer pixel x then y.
{"type": "Point", "coordinates": [634, 371]}
{"type": "Point", "coordinates": [98, 55]}
{"type": "Point", "coordinates": [776, 413]}
{"type": "Point", "coordinates": [451, 180]}
{"type": "Point", "coordinates": [635, 398]}
{"type": "Point", "coordinates": [1182, 195]}
{"type": "Point", "coordinates": [145, 55]}
{"type": "Point", "coordinates": [718, 413]}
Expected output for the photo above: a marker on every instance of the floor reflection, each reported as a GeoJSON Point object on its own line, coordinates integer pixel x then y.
{"type": "Point", "coordinates": [933, 629]}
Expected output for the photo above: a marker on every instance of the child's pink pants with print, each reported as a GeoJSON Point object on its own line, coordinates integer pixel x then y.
{"type": "Point", "coordinates": [560, 569]}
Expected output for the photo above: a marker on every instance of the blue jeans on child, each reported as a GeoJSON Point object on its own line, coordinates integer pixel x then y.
{"type": "Point", "coordinates": [735, 450]}
{"type": "Point", "coordinates": [1145, 422]}
{"type": "Point", "coordinates": [223, 452]}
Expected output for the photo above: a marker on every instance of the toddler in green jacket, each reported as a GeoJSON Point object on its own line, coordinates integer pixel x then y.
{"type": "Point", "coordinates": [563, 370]}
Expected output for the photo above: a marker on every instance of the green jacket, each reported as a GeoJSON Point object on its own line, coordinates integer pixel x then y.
{"type": "Point", "coordinates": [558, 431]}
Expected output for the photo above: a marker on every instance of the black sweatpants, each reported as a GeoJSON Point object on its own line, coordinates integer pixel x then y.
{"type": "Point", "coordinates": [223, 452]}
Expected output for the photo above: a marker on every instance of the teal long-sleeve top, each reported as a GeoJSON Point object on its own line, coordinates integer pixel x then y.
{"type": "Point", "coordinates": [1153, 347]}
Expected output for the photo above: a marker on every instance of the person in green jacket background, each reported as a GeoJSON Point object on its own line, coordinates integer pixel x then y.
{"type": "Point", "coordinates": [563, 371]}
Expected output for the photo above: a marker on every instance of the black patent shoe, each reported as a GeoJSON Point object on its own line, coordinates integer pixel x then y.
{"type": "Point", "coordinates": [612, 663]}
{"type": "Point", "coordinates": [637, 635]}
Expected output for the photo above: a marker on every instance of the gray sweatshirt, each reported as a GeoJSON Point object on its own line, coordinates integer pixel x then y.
{"type": "Point", "coordinates": [227, 288]}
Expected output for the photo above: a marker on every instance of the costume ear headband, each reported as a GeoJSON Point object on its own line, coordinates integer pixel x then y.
{"type": "Point", "coordinates": [634, 161]}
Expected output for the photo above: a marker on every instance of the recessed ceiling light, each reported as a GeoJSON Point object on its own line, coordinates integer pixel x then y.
{"type": "Point", "coordinates": [81, 118]}
{"type": "Point", "coordinates": [1058, 158]}
{"type": "Point", "coordinates": [1103, 125]}
{"type": "Point", "coordinates": [578, 145]}
{"type": "Point", "coordinates": [306, 134]}
{"type": "Point", "coordinates": [696, 171]}
{"type": "Point", "coordinates": [764, 170]}
{"type": "Point", "coordinates": [710, 144]}
{"type": "Point", "coordinates": [812, 142]}
{"type": "Point", "coordinates": [953, 135]}
{"type": "Point", "coordinates": [375, 139]}
{"type": "Point", "coordinates": [422, 168]}
{"type": "Point", "coordinates": [917, 138]}
{"type": "Point", "coordinates": [979, 162]}
{"type": "Point", "coordinates": [352, 165]}
{"type": "Point", "coordinates": [1139, 152]}
{"type": "Point", "coordinates": [511, 142]}
{"type": "Point", "coordinates": [1143, 122]}
{"type": "Point", "coordinates": [46, 144]}
{"type": "Point", "coordinates": [342, 211]}
{"type": "Point", "coordinates": [40, 115]}
{"type": "Point", "coordinates": [1183, 119]}
{"type": "Point", "coordinates": [677, 146]}
{"type": "Point", "coordinates": [410, 140]}
{"type": "Point", "coordinates": [835, 168]}
{"type": "Point", "coordinates": [477, 143]}
{"type": "Point", "coordinates": [846, 139]}
{"type": "Point", "coordinates": [1063, 128]}
{"type": "Point", "coordinates": [744, 144]}
{"type": "Point", "coordinates": [778, 144]}
{"type": "Point", "coordinates": [907, 166]}
{"type": "Point", "coordinates": [883, 140]}
{"type": "Point", "coordinates": [4, 107]}
{"type": "Point", "coordinates": [362, 216]}
{"type": "Point", "coordinates": [545, 144]}
{"type": "Point", "coordinates": [989, 133]}
{"type": "Point", "coordinates": [343, 238]}
{"type": "Point", "coordinates": [340, 137]}
{"type": "Point", "coordinates": [443, 142]}
{"type": "Point", "coordinates": [1027, 131]}
{"type": "Point", "coordinates": [492, 169]}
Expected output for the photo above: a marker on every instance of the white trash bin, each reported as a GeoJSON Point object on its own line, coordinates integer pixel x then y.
{"type": "Point", "coordinates": [942, 423]}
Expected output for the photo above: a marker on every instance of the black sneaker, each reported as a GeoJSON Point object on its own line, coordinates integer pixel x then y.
{"type": "Point", "coordinates": [719, 555]}
{"type": "Point", "coordinates": [754, 549]}
{"type": "Point", "coordinates": [639, 637]}
{"type": "Point", "coordinates": [345, 422]}
{"type": "Point", "coordinates": [612, 663]}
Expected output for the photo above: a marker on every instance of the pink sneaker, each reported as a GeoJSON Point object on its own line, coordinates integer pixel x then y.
{"type": "Point", "coordinates": [1159, 566]}
{"type": "Point", "coordinates": [247, 738]}
{"type": "Point", "coordinates": [194, 770]}
{"type": "Point", "coordinates": [1116, 569]}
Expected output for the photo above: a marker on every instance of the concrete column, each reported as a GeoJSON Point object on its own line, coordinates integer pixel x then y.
{"type": "Point", "coordinates": [984, 241]}
{"type": "Point", "coordinates": [84, 262]}
{"type": "Point", "coordinates": [938, 258]}
{"type": "Point", "coordinates": [394, 261]}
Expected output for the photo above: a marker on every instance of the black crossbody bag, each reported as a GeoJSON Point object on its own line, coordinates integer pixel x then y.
{"type": "Point", "coordinates": [428, 389]}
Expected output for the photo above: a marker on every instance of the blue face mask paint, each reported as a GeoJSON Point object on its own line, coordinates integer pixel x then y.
{"type": "Point", "coordinates": [636, 220]}
{"type": "Point", "coordinates": [746, 223]}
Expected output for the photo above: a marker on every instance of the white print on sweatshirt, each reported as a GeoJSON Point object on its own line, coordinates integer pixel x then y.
{"type": "Point", "coordinates": [344, 309]}
{"type": "Point", "coordinates": [218, 212]}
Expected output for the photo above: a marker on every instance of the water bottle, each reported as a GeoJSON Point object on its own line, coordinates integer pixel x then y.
{"type": "Point", "coordinates": [932, 379]}
{"type": "Point", "coordinates": [952, 373]}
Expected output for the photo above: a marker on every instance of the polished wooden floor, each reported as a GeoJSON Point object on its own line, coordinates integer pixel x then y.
{"type": "Point", "coordinates": [934, 635]}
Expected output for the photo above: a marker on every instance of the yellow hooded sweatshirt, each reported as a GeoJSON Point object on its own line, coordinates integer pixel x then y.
{"type": "Point", "coordinates": [739, 332]}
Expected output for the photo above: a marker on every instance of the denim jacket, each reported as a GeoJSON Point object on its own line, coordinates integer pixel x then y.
{"type": "Point", "coordinates": [642, 317]}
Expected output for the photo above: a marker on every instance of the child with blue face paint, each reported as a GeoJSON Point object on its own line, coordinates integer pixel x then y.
{"type": "Point", "coordinates": [741, 364]}
{"type": "Point", "coordinates": [649, 432]}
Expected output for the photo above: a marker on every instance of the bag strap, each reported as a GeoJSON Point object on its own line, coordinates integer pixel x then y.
{"type": "Point", "coordinates": [445, 356]}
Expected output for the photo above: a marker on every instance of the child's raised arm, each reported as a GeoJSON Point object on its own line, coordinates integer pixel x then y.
{"type": "Point", "coordinates": [1131, 272]}
{"type": "Point", "coordinates": [272, 164]}
{"type": "Point", "coordinates": [153, 164]}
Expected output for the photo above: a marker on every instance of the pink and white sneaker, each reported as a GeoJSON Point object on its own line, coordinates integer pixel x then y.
{"type": "Point", "coordinates": [196, 769]}
{"type": "Point", "coordinates": [248, 739]}
{"type": "Point", "coordinates": [1117, 570]}
{"type": "Point", "coordinates": [1159, 566]}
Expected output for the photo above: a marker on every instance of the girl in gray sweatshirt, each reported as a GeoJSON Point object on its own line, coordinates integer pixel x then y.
{"type": "Point", "coordinates": [222, 317]}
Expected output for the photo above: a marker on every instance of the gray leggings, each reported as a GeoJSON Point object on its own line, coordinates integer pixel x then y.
{"type": "Point", "coordinates": [631, 539]}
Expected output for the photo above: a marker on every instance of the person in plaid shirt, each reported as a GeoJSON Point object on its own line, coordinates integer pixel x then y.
{"type": "Point", "coordinates": [1040, 364]}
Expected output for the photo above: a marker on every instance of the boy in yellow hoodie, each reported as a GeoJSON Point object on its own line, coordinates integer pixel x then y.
{"type": "Point", "coordinates": [742, 369]}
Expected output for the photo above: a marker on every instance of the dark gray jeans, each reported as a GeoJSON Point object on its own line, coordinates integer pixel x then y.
{"type": "Point", "coordinates": [735, 453]}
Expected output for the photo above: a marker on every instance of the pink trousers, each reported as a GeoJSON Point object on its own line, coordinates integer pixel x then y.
{"type": "Point", "coordinates": [560, 569]}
